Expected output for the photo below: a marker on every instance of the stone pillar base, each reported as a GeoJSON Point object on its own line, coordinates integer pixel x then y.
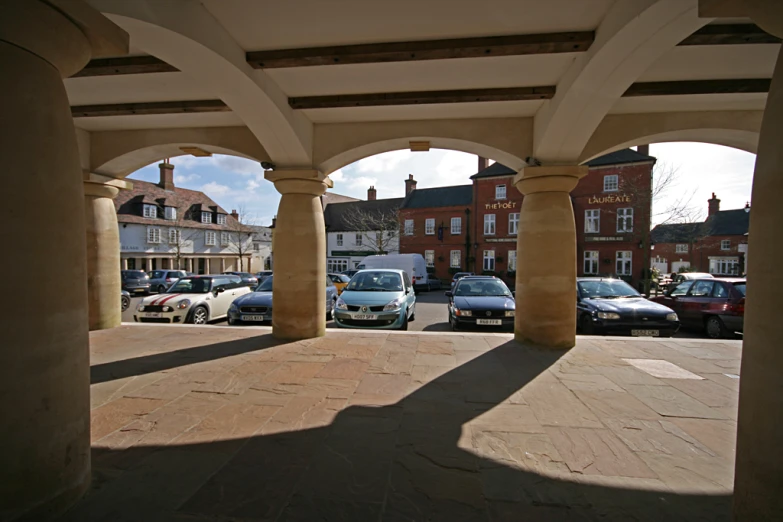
{"type": "Point", "coordinates": [103, 256]}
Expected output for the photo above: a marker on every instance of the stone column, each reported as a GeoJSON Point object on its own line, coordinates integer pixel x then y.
{"type": "Point", "coordinates": [103, 256]}
{"type": "Point", "coordinates": [124, 263]}
{"type": "Point", "coordinates": [44, 359]}
{"type": "Point", "coordinates": [300, 270]}
{"type": "Point", "coordinates": [222, 264]}
{"type": "Point", "coordinates": [546, 256]}
{"type": "Point", "coordinates": [190, 265]}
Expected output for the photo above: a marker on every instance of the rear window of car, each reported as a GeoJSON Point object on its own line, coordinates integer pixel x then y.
{"type": "Point", "coordinates": [133, 274]}
{"type": "Point", "coordinates": [740, 287]}
{"type": "Point", "coordinates": [156, 274]}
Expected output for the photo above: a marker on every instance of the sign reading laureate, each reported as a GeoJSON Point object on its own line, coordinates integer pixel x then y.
{"type": "Point", "coordinates": [619, 198]}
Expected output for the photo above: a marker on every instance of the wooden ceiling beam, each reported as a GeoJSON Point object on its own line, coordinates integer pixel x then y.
{"type": "Point", "coordinates": [698, 87]}
{"type": "Point", "coordinates": [514, 45]}
{"type": "Point", "coordinates": [124, 65]}
{"type": "Point", "coordinates": [730, 34]}
{"type": "Point", "coordinates": [138, 109]}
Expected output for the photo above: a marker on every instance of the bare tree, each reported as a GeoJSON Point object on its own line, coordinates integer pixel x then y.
{"type": "Point", "coordinates": [378, 228]}
{"type": "Point", "coordinates": [241, 236]}
{"type": "Point", "coordinates": [180, 235]}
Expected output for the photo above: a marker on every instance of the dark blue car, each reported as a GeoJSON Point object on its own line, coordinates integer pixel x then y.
{"type": "Point", "coordinates": [481, 301]}
{"type": "Point", "coordinates": [256, 307]}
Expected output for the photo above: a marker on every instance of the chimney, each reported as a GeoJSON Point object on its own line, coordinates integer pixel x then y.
{"type": "Point", "coordinates": [410, 184]}
{"type": "Point", "coordinates": [643, 149]}
{"type": "Point", "coordinates": [714, 205]}
{"type": "Point", "coordinates": [234, 214]}
{"type": "Point", "coordinates": [482, 163]}
{"type": "Point", "coordinates": [274, 222]}
{"type": "Point", "coordinates": [371, 194]}
{"type": "Point", "coordinates": [166, 176]}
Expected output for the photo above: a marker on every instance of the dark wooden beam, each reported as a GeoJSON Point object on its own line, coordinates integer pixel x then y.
{"type": "Point", "coordinates": [730, 34]}
{"type": "Point", "coordinates": [422, 97]}
{"type": "Point", "coordinates": [124, 65]}
{"type": "Point", "coordinates": [424, 50]}
{"type": "Point", "coordinates": [698, 87]}
{"type": "Point", "coordinates": [129, 109]}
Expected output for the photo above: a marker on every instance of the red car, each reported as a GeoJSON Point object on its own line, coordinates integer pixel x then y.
{"type": "Point", "coordinates": [716, 306]}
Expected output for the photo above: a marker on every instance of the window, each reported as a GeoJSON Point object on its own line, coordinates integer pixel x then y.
{"type": "Point", "coordinates": [725, 244]}
{"type": "Point", "coordinates": [701, 289]}
{"type": "Point", "coordinates": [513, 223]}
{"type": "Point", "coordinates": [429, 256]}
{"type": "Point", "coordinates": [170, 213]}
{"type": "Point", "coordinates": [500, 192]}
{"type": "Point", "coordinates": [724, 266]}
{"type": "Point", "coordinates": [339, 240]}
{"type": "Point", "coordinates": [512, 260]}
{"type": "Point", "coordinates": [682, 288]}
{"type": "Point", "coordinates": [456, 261]}
{"type": "Point", "coordinates": [591, 262]}
{"type": "Point", "coordinates": [210, 238]}
{"type": "Point", "coordinates": [611, 183]}
{"type": "Point", "coordinates": [206, 217]}
{"type": "Point", "coordinates": [720, 290]}
{"type": "Point", "coordinates": [624, 262]}
{"type": "Point", "coordinates": [489, 224]}
{"type": "Point", "coordinates": [358, 240]}
{"type": "Point", "coordinates": [256, 247]}
{"type": "Point", "coordinates": [221, 219]}
{"type": "Point", "coordinates": [174, 236]}
{"type": "Point", "coordinates": [336, 265]}
{"type": "Point", "coordinates": [408, 227]}
{"type": "Point", "coordinates": [429, 226]}
{"type": "Point", "coordinates": [224, 238]}
{"type": "Point", "coordinates": [592, 221]}
{"type": "Point", "coordinates": [489, 260]}
{"type": "Point", "coordinates": [625, 220]}
{"type": "Point", "coordinates": [150, 211]}
{"type": "Point", "coordinates": [153, 235]}
{"type": "Point", "coordinates": [456, 226]}
{"type": "Point", "coordinates": [681, 248]}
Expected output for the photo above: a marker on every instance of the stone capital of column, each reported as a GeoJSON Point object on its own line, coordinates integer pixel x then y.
{"type": "Point", "coordinates": [100, 190]}
{"type": "Point", "coordinates": [299, 181]}
{"type": "Point", "coordinates": [557, 178]}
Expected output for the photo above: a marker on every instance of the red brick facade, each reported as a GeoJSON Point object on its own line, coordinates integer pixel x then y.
{"type": "Point", "coordinates": [441, 242]}
{"type": "Point", "coordinates": [699, 253]}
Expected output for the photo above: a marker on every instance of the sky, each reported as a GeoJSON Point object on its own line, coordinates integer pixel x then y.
{"type": "Point", "coordinates": [238, 183]}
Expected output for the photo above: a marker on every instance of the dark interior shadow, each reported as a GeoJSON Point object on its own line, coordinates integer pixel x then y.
{"type": "Point", "coordinates": [391, 463]}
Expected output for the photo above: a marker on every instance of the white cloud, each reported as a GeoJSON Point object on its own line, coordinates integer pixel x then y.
{"type": "Point", "coordinates": [337, 176]}
{"type": "Point", "coordinates": [214, 188]}
{"type": "Point", "coordinates": [238, 165]}
{"type": "Point", "coordinates": [383, 162]}
{"type": "Point", "coordinates": [181, 179]}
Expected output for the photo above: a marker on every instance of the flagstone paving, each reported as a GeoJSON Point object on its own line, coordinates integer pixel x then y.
{"type": "Point", "coordinates": [206, 424]}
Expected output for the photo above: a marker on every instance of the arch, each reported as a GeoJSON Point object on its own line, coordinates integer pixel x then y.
{"type": "Point", "coordinates": [118, 153]}
{"type": "Point", "coordinates": [506, 140]}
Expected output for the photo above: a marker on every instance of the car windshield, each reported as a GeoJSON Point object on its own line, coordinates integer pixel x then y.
{"type": "Point", "coordinates": [190, 285]}
{"type": "Point", "coordinates": [265, 286]}
{"type": "Point", "coordinates": [612, 289]}
{"type": "Point", "coordinates": [484, 288]}
{"type": "Point", "coordinates": [740, 288]}
{"type": "Point", "coordinates": [343, 278]}
{"type": "Point", "coordinates": [375, 282]}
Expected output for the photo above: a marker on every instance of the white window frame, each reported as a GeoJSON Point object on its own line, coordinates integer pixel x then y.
{"type": "Point", "coordinates": [210, 238]}
{"type": "Point", "coordinates": [339, 239]}
{"type": "Point", "coordinates": [429, 227]}
{"type": "Point", "coordinates": [590, 262]}
{"type": "Point", "coordinates": [624, 262]}
{"type": "Point", "coordinates": [489, 261]}
{"type": "Point", "coordinates": [170, 213]}
{"type": "Point", "coordinates": [221, 219]}
{"type": "Point", "coordinates": [489, 224]}
{"type": "Point", "coordinates": [429, 257]}
{"type": "Point", "coordinates": [513, 223]}
{"type": "Point", "coordinates": [624, 220]}
{"type": "Point", "coordinates": [456, 259]}
{"type": "Point", "coordinates": [175, 236]}
{"type": "Point", "coordinates": [592, 221]}
{"type": "Point", "coordinates": [611, 183]}
{"type": "Point", "coordinates": [150, 211]}
{"type": "Point", "coordinates": [456, 226]}
{"type": "Point", "coordinates": [681, 248]}
{"type": "Point", "coordinates": [512, 260]}
{"type": "Point", "coordinates": [358, 239]}
{"type": "Point", "coordinates": [500, 192]}
{"type": "Point", "coordinates": [225, 239]}
{"type": "Point", "coordinates": [336, 265]}
{"type": "Point", "coordinates": [724, 266]}
{"type": "Point", "coordinates": [153, 235]}
{"type": "Point", "coordinates": [725, 244]}
{"type": "Point", "coordinates": [408, 227]}
{"type": "Point", "coordinates": [206, 217]}
{"type": "Point", "coordinates": [256, 247]}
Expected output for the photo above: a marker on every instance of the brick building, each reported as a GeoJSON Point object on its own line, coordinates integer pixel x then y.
{"type": "Point", "coordinates": [718, 245]}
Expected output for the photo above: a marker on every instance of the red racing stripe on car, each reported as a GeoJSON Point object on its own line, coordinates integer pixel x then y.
{"type": "Point", "coordinates": [165, 300]}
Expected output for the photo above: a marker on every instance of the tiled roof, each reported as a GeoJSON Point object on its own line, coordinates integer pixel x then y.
{"type": "Point", "coordinates": [337, 215]}
{"type": "Point", "coordinates": [494, 170]}
{"type": "Point", "coordinates": [723, 223]}
{"type": "Point", "coordinates": [330, 197]}
{"type": "Point", "coordinates": [189, 204]}
{"type": "Point", "coordinates": [440, 197]}
{"type": "Point", "coordinates": [677, 233]}
{"type": "Point", "coordinates": [620, 157]}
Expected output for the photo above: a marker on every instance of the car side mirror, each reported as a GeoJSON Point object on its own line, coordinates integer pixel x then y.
{"type": "Point", "coordinates": [220, 290]}
{"type": "Point", "coordinates": [449, 294]}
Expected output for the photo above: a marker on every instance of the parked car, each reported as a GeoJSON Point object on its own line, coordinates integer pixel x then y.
{"type": "Point", "coordinates": [458, 276]}
{"type": "Point", "coordinates": [350, 273]}
{"type": "Point", "coordinates": [379, 298]}
{"type": "Point", "coordinates": [715, 305]}
{"type": "Point", "coordinates": [125, 299]}
{"type": "Point", "coordinates": [160, 280]}
{"type": "Point", "coordinates": [263, 275]}
{"type": "Point", "coordinates": [478, 301]}
{"type": "Point", "coordinates": [340, 281]}
{"type": "Point", "coordinates": [196, 300]}
{"type": "Point", "coordinates": [135, 281]}
{"type": "Point", "coordinates": [608, 306]}
{"type": "Point", "coordinates": [256, 307]}
{"type": "Point", "coordinates": [248, 279]}
{"type": "Point", "coordinates": [413, 264]}
{"type": "Point", "coordinates": [689, 276]}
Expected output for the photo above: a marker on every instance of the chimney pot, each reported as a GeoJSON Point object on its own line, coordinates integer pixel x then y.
{"type": "Point", "coordinates": [371, 193]}
{"type": "Point", "coordinates": [410, 184]}
{"type": "Point", "coordinates": [482, 163]}
{"type": "Point", "coordinates": [713, 205]}
{"type": "Point", "coordinates": [166, 176]}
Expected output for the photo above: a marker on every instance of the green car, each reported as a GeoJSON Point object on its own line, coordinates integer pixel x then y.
{"type": "Point", "coordinates": [377, 298]}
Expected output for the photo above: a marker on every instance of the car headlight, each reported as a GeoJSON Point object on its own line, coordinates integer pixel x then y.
{"type": "Point", "coordinates": [341, 304]}
{"type": "Point", "coordinates": [462, 313]}
{"type": "Point", "coordinates": [608, 315]}
{"type": "Point", "coordinates": [393, 305]}
{"type": "Point", "coordinates": [672, 317]}
{"type": "Point", "coordinates": [509, 313]}
{"type": "Point", "coordinates": [233, 308]}
{"type": "Point", "coordinates": [140, 308]}
{"type": "Point", "coordinates": [183, 304]}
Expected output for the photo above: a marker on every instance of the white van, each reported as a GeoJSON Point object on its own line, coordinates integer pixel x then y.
{"type": "Point", "coordinates": [413, 264]}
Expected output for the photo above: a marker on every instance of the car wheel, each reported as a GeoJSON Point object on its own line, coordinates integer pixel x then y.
{"type": "Point", "coordinates": [404, 325]}
{"type": "Point", "coordinates": [413, 315]}
{"type": "Point", "coordinates": [454, 325]}
{"type": "Point", "coordinates": [586, 325]}
{"type": "Point", "coordinates": [161, 289]}
{"type": "Point", "coordinates": [125, 302]}
{"type": "Point", "coordinates": [715, 328]}
{"type": "Point", "coordinates": [200, 315]}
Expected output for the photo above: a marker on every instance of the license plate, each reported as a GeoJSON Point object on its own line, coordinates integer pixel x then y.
{"type": "Point", "coordinates": [365, 317]}
{"type": "Point", "coordinates": [138, 289]}
{"type": "Point", "coordinates": [253, 318]}
{"type": "Point", "coordinates": [489, 322]}
{"type": "Point", "coordinates": [645, 333]}
{"type": "Point", "coordinates": [153, 314]}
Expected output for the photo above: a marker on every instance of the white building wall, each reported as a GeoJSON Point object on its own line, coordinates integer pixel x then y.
{"type": "Point", "coordinates": [335, 260]}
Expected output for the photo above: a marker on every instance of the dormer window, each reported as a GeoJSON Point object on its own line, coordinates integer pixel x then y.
{"type": "Point", "coordinates": [150, 211]}
{"type": "Point", "coordinates": [206, 217]}
{"type": "Point", "coordinates": [221, 219]}
{"type": "Point", "coordinates": [171, 213]}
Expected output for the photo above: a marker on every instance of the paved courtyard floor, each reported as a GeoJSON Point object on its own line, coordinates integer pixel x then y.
{"type": "Point", "coordinates": [207, 424]}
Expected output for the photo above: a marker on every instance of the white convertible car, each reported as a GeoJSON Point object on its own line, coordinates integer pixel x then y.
{"type": "Point", "coordinates": [194, 299]}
